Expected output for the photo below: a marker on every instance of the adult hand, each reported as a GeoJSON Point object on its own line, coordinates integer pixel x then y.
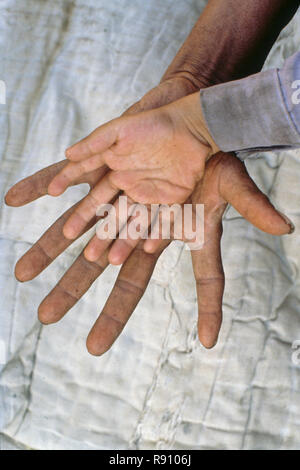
{"type": "Point", "coordinates": [223, 173]}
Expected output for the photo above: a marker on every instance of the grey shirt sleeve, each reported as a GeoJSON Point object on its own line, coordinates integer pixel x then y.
{"type": "Point", "coordinates": [258, 112]}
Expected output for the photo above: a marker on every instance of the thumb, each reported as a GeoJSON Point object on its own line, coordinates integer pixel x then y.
{"type": "Point", "coordinates": [237, 188]}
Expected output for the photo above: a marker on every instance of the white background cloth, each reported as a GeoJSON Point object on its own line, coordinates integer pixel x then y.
{"type": "Point", "coordinates": [68, 67]}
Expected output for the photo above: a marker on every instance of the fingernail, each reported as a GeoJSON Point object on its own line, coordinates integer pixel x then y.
{"type": "Point", "coordinates": [287, 221]}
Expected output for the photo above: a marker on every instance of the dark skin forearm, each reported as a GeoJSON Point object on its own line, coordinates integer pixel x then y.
{"type": "Point", "coordinates": [230, 40]}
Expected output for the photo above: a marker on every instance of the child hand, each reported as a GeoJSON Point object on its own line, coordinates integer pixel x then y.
{"type": "Point", "coordinates": [157, 157]}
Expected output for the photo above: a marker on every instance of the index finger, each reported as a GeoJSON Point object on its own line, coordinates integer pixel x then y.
{"type": "Point", "coordinates": [95, 143]}
{"type": "Point", "coordinates": [35, 186]}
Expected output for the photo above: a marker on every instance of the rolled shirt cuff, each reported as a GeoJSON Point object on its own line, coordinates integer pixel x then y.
{"type": "Point", "coordinates": [250, 114]}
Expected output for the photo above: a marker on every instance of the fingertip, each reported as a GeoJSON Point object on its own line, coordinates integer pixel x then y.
{"type": "Point", "coordinates": [45, 315]}
{"type": "Point", "coordinates": [54, 190]}
{"type": "Point", "coordinates": [209, 326]}
{"type": "Point", "coordinates": [11, 197]}
{"type": "Point", "coordinates": [69, 153]}
{"type": "Point", "coordinates": [49, 312]}
{"type": "Point", "coordinates": [149, 247]}
{"type": "Point", "coordinates": [21, 273]}
{"type": "Point", "coordinates": [207, 338]}
{"type": "Point", "coordinates": [68, 232]}
{"type": "Point", "coordinates": [115, 258]}
{"type": "Point", "coordinates": [290, 225]}
{"type": "Point", "coordinates": [7, 198]}
{"type": "Point", "coordinates": [207, 342]}
{"type": "Point", "coordinates": [276, 224]}
{"type": "Point", "coordinates": [90, 255]}
{"type": "Point", "coordinates": [93, 346]}
{"type": "Point", "coordinates": [292, 229]}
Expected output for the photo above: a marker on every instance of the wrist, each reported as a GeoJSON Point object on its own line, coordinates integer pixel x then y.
{"type": "Point", "coordinates": [191, 114]}
{"type": "Point", "coordinates": [189, 80]}
{"type": "Point", "coordinates": [203, 127]}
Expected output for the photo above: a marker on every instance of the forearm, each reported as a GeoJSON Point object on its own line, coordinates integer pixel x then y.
{"type": "Point", "coordinates": [230, 40]}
